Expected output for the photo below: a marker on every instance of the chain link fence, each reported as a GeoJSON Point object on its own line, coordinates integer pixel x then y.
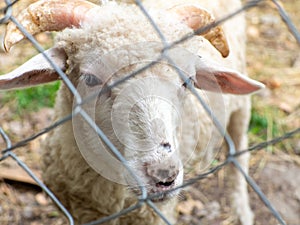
{"type": "Point", "coordinates": [144, 198]}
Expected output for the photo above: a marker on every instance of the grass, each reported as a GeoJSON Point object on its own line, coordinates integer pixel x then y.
{"type": "Point", "coordinates": [33, 98]}
{"type": "Point", "coordinates": [268, 122]}
{"type": "Point", "coordinates": [261, 122]}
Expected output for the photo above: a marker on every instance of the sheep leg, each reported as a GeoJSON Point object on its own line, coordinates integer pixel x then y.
{"type": "Point", "coordinates": [237, 128]}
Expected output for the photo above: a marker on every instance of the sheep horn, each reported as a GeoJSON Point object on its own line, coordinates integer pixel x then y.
{"type": "Point", "coordinates": [197, 18]}
{"type": "Point", "coordinates": [47, 15]}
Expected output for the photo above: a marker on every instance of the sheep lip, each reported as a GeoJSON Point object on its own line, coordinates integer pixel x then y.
{"type": "Point", "coordinates": [160, 198]}
{"type": "Point", "coordinates": [161, 195]}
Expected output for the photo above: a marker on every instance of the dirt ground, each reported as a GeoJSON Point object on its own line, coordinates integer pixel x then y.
{"type": "Point", "coordinates": [273, 57]}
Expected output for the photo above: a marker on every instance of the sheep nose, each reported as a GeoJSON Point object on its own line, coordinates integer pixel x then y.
{"type": "Point", "coordinates": [161, 176]}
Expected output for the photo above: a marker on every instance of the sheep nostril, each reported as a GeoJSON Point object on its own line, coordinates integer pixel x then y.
{"type": "Point", "coordinates": [165, 184]}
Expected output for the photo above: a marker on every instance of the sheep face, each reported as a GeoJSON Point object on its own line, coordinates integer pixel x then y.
{"type": "Point", "coordinates": [142, 116]}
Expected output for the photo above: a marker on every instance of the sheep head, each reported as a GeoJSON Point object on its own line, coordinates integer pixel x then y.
{"type": "Point", "coordinates": [142, 116]}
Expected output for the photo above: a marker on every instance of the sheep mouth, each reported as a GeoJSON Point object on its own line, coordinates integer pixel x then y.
{"type": "Point", "coordinates": [165, 185]}
{"type": "Point", "coordinates": [160, 191]}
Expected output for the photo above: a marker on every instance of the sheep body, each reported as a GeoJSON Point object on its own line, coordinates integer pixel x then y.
{"type": "Point", "coordinates": [61, 156]}
{"type": "Point", "coordinates": [86, 193]}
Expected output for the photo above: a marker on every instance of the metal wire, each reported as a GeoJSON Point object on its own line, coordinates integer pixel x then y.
{"type": "Point", "coordinates": [33, 176]}
{"type": "Point", "coordinates": [144, 198]}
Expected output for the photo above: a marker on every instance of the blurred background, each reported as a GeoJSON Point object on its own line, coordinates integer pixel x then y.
{"type": "Point", "coordinates": [273, 57]}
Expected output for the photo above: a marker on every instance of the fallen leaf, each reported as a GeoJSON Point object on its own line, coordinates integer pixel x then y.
{"type": "Point", "coordinates": [18, 174]}
{"type": "Point", "coordinates": [272, 83]}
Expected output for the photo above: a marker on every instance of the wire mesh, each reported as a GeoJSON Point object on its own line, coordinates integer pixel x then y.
{"type": "Point", "coordinates": [144, 198]}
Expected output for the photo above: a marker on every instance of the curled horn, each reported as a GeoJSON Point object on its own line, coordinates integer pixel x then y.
{"type": "Point", "coordinates": [47, 15]}
{"type": "Point", "coordinates": [197, 18]}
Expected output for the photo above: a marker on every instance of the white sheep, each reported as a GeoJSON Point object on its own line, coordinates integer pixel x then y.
{"type": "Point", "coordinates": [152, 118]}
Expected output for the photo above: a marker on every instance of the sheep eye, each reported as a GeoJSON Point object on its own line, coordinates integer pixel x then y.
{"type": "Point", "coordinates": [91, 80]}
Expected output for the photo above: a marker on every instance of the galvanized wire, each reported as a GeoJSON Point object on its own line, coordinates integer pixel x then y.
{"type": "Point", "coordinates": [79, 111]}
{"type": "Point", "coordinates": [33, 176]}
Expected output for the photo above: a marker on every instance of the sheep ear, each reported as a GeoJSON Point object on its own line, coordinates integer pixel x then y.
{"type": "Point", "coordinates": [212, 77]}
{"type": "Point", "coordinates": [35, 71]}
